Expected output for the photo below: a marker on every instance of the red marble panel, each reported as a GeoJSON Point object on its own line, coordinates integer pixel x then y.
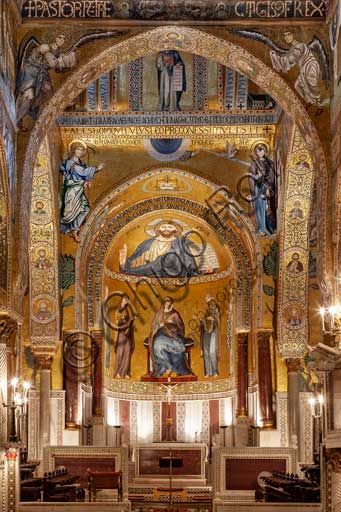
{"type": "Point", "coordinates": [241, 474]}
{"type": "Point", "coordinates": [79, 465]}
{"type": "Point", "coordinates": [214, 418]}
{"type": "Point", "coordinates": [150, 460]}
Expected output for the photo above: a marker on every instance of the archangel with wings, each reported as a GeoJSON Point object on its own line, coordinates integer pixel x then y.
{"type": "Point", "coordinates": [33, 84]}
{"type": "Point", "coordinates": [311, 59]}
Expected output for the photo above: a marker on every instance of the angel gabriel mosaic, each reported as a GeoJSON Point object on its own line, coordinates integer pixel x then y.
{"type": "Point", "coordinates": [37, 59]}
{"type": "Point", "coordinates": [311, 59]}
{"type": "Point", "coordinates": [77, 176]}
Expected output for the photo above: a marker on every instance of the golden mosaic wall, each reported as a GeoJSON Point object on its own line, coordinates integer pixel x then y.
{"type": "Point", "coordinates": [293, 284]}
{"type": "Point", "coordinates": [44, 286]}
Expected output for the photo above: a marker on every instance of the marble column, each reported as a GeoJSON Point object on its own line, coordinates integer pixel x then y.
{"type": "Point", "coordinates": [241, 429]}
{"type": "Point", "coordinates": [331, 480]}
{"type": "Point", "coordinates": [97, 342]}
{"type": "Point", "coordinates": [265, 379]}
{"type": "Point", "coordinates": [242, 338]}
{"type": "Point", "coordinates": [293, 402]}
{"type": "Point", "coordinates": [98, 427]}
{"type": "Point", "coordinates": [3, 384]}
{"type": "Point", "coordinates": [45, 362]}
{"type": "Point", "coordinates": [71, 378]}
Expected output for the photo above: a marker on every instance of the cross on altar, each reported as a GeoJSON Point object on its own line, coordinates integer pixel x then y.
{"type": "Point", "coordinates": [169, 420]}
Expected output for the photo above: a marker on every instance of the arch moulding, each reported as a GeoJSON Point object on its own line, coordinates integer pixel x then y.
{"type": "Point", "coordinates": [206, 45]}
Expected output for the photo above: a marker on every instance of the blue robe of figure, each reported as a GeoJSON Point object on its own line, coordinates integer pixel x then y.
{"type": "Point", "coordinates": [263, 181]}
{"type": "Point", "coordinates": [167, 343]}
{"type": "Point", "coordinates": [75, 206]}
{"type": "Point", "coordinates": [177, 262]}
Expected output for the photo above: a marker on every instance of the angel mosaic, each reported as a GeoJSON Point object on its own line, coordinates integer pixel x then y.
{"type": "Point", "coordinates": [311, 59]}
{"type": "Point", "coordinates": [33, 84]}
{"type": "Point", "coordinates": [76, 178]}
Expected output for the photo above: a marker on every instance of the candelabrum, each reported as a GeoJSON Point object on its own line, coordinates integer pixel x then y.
{"type": "Point", "coordinates": [331, 322]}
{"type": "Point", "coordinates": [317, 412]}
{"type": "Point", "coordinates": [316, 404]}
{"type": "Point", "coordinates": [18, 409]}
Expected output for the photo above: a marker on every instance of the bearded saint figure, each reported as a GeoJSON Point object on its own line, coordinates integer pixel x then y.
{"type": "Point", "coordinates": [167, 254]}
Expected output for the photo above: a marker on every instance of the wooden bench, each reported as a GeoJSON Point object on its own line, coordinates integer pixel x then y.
{"type": "Point", "coordinates": [99, 480]}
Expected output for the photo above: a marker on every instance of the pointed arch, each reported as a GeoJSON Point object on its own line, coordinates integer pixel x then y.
{"type": "Point", "coordinates": [206, 45]}
{"type": "Point", "coordinates": [5, 235]}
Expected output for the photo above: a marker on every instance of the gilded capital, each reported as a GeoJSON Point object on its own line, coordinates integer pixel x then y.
{"type": "Point", "coordinates": [263, 337]}
{"type": "Point", "coordinates": [242, 338]}
{"type": "Point", "coordinates": [8, 327]}
{"type": "Point", "coordinates": [293, 365]}
{"type": "Point", "coordinates": [44, 361]}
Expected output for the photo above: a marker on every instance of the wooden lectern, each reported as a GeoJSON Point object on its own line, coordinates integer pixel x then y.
{"type": "Point", "coordinates": [170, 462]}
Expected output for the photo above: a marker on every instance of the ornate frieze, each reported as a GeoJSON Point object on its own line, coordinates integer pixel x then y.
{"type": "Point", "coordinates": [164, 10]}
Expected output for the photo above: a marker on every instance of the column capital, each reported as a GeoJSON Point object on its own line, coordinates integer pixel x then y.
{"type": "Point", "coordinates": [71, 333]}
{"type": "Point", "coordinates": [8, 326]}
{"type": "Point", "coordinates": [97, 333]}
{"type": "Point", "coordinates": [44, 361]}
{"type": "Point", "coordinates": [242, 337]}
{"type": "Point", "coordinates": [264, 336]}
{"type": "Point", "coordinates": [333, 457]}
{"type": "Point", "coordinates": [293, 365]}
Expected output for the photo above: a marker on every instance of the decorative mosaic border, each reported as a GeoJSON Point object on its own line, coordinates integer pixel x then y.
{"type": "Point", "coordinates": [43, 236]}
{"type": "Point", "coordinates": [293, 287]}
{"type": "Point", "coordinates": [199, 390]}
{"type": "Point", "coordinates": [135, 85]}
{"type": "Point", "coordinates": [200, 83]}
{"type": "Point", "coordinates": [3, 380]}
{"type": "Point", "coordinates": [6, 203]}
{"type": "Point", "coordinates": [209, 278]}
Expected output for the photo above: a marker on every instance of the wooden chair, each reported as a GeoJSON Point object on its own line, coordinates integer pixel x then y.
{"type": "Point", "coordinates": [99, 480]}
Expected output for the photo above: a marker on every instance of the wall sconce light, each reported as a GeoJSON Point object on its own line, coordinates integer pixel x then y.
{"type": "Point", "coordinates": [316, 404]}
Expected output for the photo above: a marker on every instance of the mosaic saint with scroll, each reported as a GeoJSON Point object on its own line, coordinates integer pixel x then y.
{"type": "Point", "coordinates": [169, 253]}
{"type": "Point", "coordinates": [171, 76]}
{"type": "Point", "coordinates": [124, 344]}
{"type": "Point", "coordinates": [210, 338]}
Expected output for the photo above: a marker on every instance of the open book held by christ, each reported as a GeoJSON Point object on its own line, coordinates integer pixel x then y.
{"type": "Point", "coordinates": [177, 78]}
